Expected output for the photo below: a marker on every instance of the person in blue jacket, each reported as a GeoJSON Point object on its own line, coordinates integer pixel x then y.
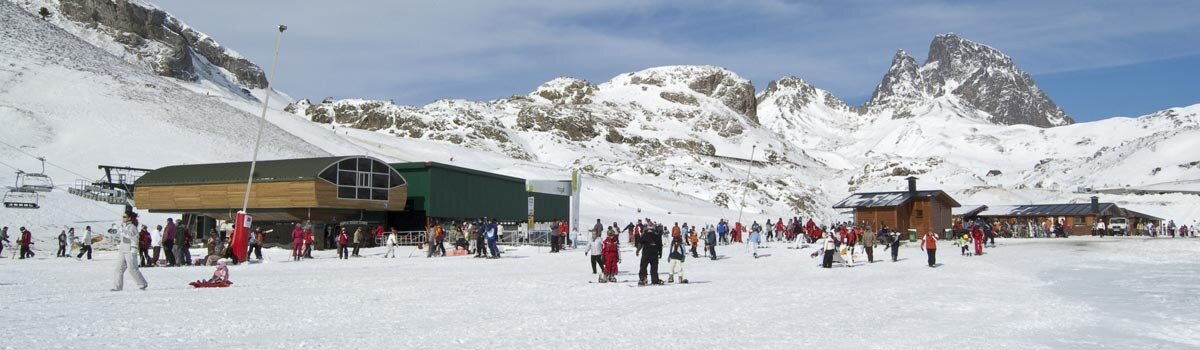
{"type": "Point", "coordinates": [492, 233]}
{"type": "Point", "coordinates": [723, 232]}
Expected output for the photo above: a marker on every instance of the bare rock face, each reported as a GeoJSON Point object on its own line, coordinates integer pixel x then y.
{"type": "Point", "coordinates": [734, 92]}
{"type": "Point", "coordinates": [565, 90]}
{"type": "Point", "coordinates": [169, 47]}
{"type": "Point", "coordinates": [980, 77]}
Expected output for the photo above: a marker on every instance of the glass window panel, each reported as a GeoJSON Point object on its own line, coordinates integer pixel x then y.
{"type": "Point", "coordinates": [364, 164]}
{"type": "Point", "coordinates": [379, 181]}
{"type": "Point", "coordinates": [346, 192]}
{"type": "Point", "coordinates": [364, 193]}
{"type": "Point", "coordinates": [380, 167]}
{"type": "Point", "coordinates": [348, 164]}
{"type": "Point", "coordinates": [346, 178]}
{"type": "Point", "coordinates": [397, 180]}
{"type": "Point", "coordinates": [330, 174]}
{"type": "Point", "coordinates": [379, 195]}
{"type": "Point", "coordinates": [364, 179]}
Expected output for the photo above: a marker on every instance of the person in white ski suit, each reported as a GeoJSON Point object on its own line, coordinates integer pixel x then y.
{"type": "Point", "coordinates": [391, 244]}
{"type": "Point", "coordinates": [127, 252]}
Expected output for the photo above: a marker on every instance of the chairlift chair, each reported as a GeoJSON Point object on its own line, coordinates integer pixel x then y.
{"type": "Point", "coordinates": [38, 182]}
{"type": "Point", "coordinates": [19, 198]}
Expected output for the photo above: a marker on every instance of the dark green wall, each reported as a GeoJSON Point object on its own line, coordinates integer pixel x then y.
{"type": "Point", "coordinates": [449, 192]}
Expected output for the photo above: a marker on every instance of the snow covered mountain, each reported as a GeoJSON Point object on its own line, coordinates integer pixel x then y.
{"type": "Point", "coordinates": [144, 35]}
{"type": "Point", "coordinates": [968, 73]}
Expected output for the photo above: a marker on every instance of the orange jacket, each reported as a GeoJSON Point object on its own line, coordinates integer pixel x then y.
{"type": "Point", "coordinates": [929, 241]}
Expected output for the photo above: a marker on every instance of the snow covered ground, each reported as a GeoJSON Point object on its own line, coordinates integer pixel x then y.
{"type": "Point", "coordinates": [1077, 293]}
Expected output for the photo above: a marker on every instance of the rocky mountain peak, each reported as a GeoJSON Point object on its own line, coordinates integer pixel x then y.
{"type": "Point", "coordinates": [565, 90]}
{"type": "Point", "coordinates": [722, 84]}
{"type": "Point", "coordinates": [901, 87]}
{"type": "Point", "coordinates": [146, 35]}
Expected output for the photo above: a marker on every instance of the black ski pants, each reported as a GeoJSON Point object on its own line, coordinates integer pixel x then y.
{"type": "Point", "coordinates": [895, 251]}
{"type": "Point", "coordinates": [712, 251]}
{"type": "Point", "coordinates": [932, 256]}
{"type": "Point", "coordinates": [597, 260]}
{"type": "Point", "coordinates": [87, 249]}
{"type": "Point", "coordinates": [827, 259]}
{"type": "Point", "coordinates": [62, 250]}
{"type": "Point", "coordinates": [168, 245]}
{"type": "Point", "coordinates": [649, 261]}
{"type": "Point", "coordinates": [870, 253]}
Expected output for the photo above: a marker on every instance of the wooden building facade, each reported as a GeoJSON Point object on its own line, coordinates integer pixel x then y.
{"type": "Point", "coordinates": [924, 211]}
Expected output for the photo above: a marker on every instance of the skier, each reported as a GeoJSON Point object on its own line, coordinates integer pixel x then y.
{"type": "Point", "coordinates": [612, 256]}
{"type": "Point", "coordinates": [828, 249]}
{"type": "Point", "coordinates": [694, 240]}
{"type": "Point", "coordinates": [26, 241]}
{"type": "Point", "coordinates": [342, 242]}
{"type": "Point", "coordinates": [929, 245]}
{"type": "Point", "coordinates": [127, 253]}
{"type": "Point", "coordinates": [964, 242]}
{"type": "Point", "coordinates": [754, 239]}
{"type": "Point", "coordinates": [723, 231]}
{"type": "Point", "coordinates": [297, 243]}
{"type": "Point", "coordinates": [391, 244]}
{"type": "Point", "coordinates": [358, 236]}
{"type": "Point", "coordinates": [676, 258]}
{"type": "Point", "coordinates": [650, 245]}
{"type": "Point", "coordinates": [308, 240]}
{"type": "Point", "coordinates": [595, 251]}
{"type": "Point", "coordinates": [86, 247]}
{"type": "Point", "coordinates": [62, 244]}
{"type": "Point", "coordinates": [480, 244]}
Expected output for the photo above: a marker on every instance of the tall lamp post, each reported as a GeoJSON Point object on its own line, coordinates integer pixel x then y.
{"type": "Point", "coordinates": [241, 225]}
{"type": "Point", "coordinates": [745, 190]}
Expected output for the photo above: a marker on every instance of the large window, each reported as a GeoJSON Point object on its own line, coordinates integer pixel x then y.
{"type": "Point", "coordinates": [362, 178]}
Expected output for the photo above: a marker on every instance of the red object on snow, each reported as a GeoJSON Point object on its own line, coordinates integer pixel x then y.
{"type": "Point", "coordinates": [207, 284]}
{"type": "Point", "coordinates": [241, 235]}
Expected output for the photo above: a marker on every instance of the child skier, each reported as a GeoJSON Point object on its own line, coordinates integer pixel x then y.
{"type": "Point", "coordinates": [612, 257]}
{"type": "Point", "coordinates": [676, 257]}
{"type": "Point", "coordinates": [964, 243]}
{"type": "Point", "coordinates": [220, 278]}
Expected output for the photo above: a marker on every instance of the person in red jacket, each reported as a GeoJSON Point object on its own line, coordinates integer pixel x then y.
{"type": "Point", "coordinates": [144, 246]}
{"type": "Point", "coordinates": [612, 256]}
{"type": "Point", "coordinates": [929, 245]}
{"type": "Point", "coordinates": [342, 240]}
{"type": "Point", "coordinates": [308, 241]}
{"type": "Point", "coordinates": [25, 241]}
{"type": "Point", "coordinates": [297, 242]}
{"type": "Point", "coordinates": [977, 235]}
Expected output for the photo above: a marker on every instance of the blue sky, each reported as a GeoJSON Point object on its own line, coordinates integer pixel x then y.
{"type": "Point", "coordinates": [1094, 58]}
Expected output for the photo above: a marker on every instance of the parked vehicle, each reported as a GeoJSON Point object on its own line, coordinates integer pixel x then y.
{"type": "Point", "coordinates": [1118, 226]}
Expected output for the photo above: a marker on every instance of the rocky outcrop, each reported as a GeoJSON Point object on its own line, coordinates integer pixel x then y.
{"type": "Point", "coordinates": [901, 87]}
{"type": "Point", "coordinates": [156, 38]}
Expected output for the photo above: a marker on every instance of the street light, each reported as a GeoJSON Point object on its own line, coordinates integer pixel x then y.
{"type": "Point", "coordinates": [745, 190]}
{"type": "Point", "coordinates": [240, 226]}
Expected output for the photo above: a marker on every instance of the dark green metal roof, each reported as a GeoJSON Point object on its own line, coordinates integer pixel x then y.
{"type": "Point", "coordinates": [431, 165]}
{"type": "Point", "coordinates": [447, 191]}
{"type": "Point", "coordinates": [221, 173]}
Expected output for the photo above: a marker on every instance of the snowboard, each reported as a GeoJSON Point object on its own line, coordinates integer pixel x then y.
{"type": "Point", "coordinates": [207, 284]}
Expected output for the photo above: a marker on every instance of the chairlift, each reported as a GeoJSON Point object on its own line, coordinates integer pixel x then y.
{"type": "Point", "coordinates": [17, 197]}
{"type": "Point", "coordinates": [38, 182]}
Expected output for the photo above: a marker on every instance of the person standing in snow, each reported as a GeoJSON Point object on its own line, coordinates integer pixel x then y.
{"type": "Point", "coordinates": [155, 244]}
{"type": "Point", "coordinates": [62, 244]}
{"type": "Point", "coordinates": [358, 236]}
{"type": "Point", "coordinates": [612, 256]}
{"type": "Point", "coordinates": [26, 241]}
{"type": "Point", "coordinates": [710, 243]}
{"type": "Point", "coordinates": [297, 242]}
{"type": "Point", "coordinates": [929, 245]}
{"type": "Point", "coordinates": [481, 243]}
{"type": "Point", "coordinates": [828, 249]}
{"type": "Point", "coordinates": [754, 239]}
{"type": "Point", "coordinates": [676, 258]}
{"type": "Point", "coordinates": [694, 239]}
{"type": "Point", "coordinates": [492, 235]}
{"type": "Point", "coordinates": [977, 236]}
{"type": "Point", "coordinates": [255, 243]}
{"type": "Point", "coordinates": [894, 245]}
{"type": "Point", "coordinates": [169, 247]}
{"type": "Point", "coordinates": [651, 251]}
{"type": "Point", "coordinates": [144, 246]}
{"type": "Point", "coordinates": [3, 238]}
{"type": "Point", "coordinates": [127, 258]}
{"type": "Point", "coordinates": [342, 243]}
{"type": "Point", "coordinates": [391, 244]}
{"type": "Point", "coordinates": [308, 240]}
{"type": "Point", "coordinates": [868, 242]}
{"type": "Point", "coordinates": [595, 251]}
{"type": "Point", "coordinates": [86, 245]}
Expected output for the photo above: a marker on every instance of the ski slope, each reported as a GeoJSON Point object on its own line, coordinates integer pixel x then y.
{"type": "Point", "coordinates": [1077, 293]}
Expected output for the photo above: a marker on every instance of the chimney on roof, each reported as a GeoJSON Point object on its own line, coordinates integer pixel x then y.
{"type": "Point", "coordinates": [912, 184]}
{"type": "Point", "coordinates": [1096, 205]}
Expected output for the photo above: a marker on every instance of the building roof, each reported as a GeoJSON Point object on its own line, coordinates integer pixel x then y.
{"type": "Point", "coordinates": [889, 199]}
{"type": "Point", "coordinates": [968, 210]}
{"type": "Point", "coordinates": [1073, 209]}
{"type": "Point", "coordinates": [417, 166]}
{"type": "Point", "coordinates": [220, 173]}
